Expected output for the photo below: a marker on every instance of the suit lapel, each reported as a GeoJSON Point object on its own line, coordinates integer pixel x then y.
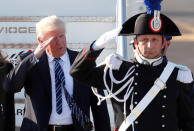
{"type": "Point", "coordinates": [72, 56]}
{"type": "Point", "coordinates": [44, 72]}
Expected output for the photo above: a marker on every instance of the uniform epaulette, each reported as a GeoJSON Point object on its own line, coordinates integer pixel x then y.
{"type": "Point", "coordinates": [184, 74]}
{"type": "Point", "coordinates": [113, 62]}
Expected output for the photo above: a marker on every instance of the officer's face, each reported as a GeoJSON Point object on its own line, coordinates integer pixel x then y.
{"type": "Point", "coordinates": [149, 46]}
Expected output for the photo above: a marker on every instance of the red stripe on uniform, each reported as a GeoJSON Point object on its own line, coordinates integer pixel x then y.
{"type": "Point", "coordinates": [86, 56]}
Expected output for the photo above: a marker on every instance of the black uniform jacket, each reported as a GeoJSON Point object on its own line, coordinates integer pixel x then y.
{"type": "Point", "coordinates": [35, 78]}
{"type": "Point", "coordinates": [171, 109]}
{"type": "Point", "coordinates": [7, 112]}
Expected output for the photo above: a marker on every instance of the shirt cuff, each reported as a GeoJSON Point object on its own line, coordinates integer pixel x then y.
{"type": "Point", "coordinates": [36, 59]}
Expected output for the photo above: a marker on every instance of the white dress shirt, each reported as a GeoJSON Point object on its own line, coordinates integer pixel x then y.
{"type": "Point", "coordinates": [65, 117]}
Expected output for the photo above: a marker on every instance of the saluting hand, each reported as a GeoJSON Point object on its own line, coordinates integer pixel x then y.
{"type": "Point", "coordinates": [42, 46]}
{"type": "Point", "coordinates": [104, 38]}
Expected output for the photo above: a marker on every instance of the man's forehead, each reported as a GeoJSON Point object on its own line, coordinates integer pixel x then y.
{"type": "Point", "coordinates": [54, 31]}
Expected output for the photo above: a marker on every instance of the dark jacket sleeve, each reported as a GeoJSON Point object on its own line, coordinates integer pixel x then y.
{"type": "Point", "coordinates": [84, 68]}
{"type": "Point", "coordinates": [7, 111]}
{"type": "Point", "coordinates": [100, 113]}
{"type": "Point", "coordinates": [193, 98]}
{"type": "Point", "coordinates": [185, 111]}
{"type": "Point", "coordinates": [10, 113]}
{"type": "Point", "coordinates": [16, 78]}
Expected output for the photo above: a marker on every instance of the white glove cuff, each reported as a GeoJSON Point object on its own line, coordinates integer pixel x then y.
{"type": "Point", "coordinates": [104, 38]}
{"type": "Point", "coordinates": [95, 47]}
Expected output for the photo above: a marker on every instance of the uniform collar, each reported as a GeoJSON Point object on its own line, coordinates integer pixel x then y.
{"type": "Point", "coordinates": [145, 61]}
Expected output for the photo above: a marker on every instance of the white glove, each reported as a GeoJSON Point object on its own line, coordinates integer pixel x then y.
{"type": "Point", "coordinates": [104, 38]}
{"type": "Point", "coordinates": [41, 47]}
{"type": "Point", "coordinates": [113, 62]}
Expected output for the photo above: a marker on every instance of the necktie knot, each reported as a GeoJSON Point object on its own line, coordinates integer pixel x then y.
{"type": "Point", "coordinates": [57, 59]}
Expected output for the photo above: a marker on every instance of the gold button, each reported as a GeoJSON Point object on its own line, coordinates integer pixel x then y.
{"type": "Point", "coordinates": [136, 122]}
{"type": "Point", "coordinates": [135, 93]}
{"type": "Point", "coordinates": [135, 83]}
{"type": "Point", "coordinates": [137, 65]}
{"type": "Point", "coordinates": [163, 116]}
{"type": "Point", "coordinates": [135, 102]}
{"type": "Point", "coordinates": [164, 96]}
{"type": "Point", "coordinates": [163, 106]}
{"type": "Point", "coordinates": [163, 125]}
{"type": "Point", "coordinates": [136, 74]}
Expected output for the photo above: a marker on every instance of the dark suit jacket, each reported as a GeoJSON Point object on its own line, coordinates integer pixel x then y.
{"type": "Point", "coordinates": [35, 77]}
{"type": "Point", "coordinates": [7, 112]}
{"type": "Point", "coordinates": [193, 97]}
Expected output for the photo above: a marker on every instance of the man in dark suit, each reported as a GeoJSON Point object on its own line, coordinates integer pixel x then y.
{"type": "Point", "coordinates": [54, 100]}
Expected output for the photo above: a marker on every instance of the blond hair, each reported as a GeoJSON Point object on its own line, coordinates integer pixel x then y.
{"type": "Point", "coordinates": [49, 23]}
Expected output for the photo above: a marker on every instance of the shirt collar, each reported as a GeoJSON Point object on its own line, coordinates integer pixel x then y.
{"type": "Point", "coordinates": [64, 57]}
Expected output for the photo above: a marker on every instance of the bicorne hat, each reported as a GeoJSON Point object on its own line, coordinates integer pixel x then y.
{"type": "Point", "coordinates": [151, 22]}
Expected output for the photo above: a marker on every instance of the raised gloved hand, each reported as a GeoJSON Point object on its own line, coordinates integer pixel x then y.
{"type": "Point", "coordinates": [41, 47]}
{"type": "Point", "coordinates": [104, 38]}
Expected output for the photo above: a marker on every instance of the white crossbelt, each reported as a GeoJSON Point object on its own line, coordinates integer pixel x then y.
{"type": "Point", "coordinates": [159, 84]}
